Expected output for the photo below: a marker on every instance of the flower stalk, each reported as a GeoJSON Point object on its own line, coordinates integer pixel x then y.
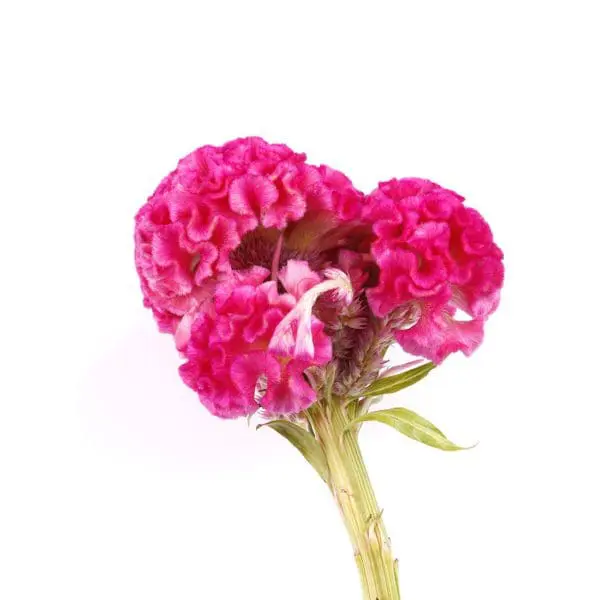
{"type": "Point", "coordinates": [352, 490]}
{"type": "Point", "coordinates": [284, 285]}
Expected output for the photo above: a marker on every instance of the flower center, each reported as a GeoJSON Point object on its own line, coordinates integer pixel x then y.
{"type": "Point", "coordinates": [302, 345]}
{"type": "Point", "coordinates": [263, 247]}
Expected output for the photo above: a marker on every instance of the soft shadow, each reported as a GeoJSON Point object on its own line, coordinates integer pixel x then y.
{"type": "Point", "coordinates": [132, 400]}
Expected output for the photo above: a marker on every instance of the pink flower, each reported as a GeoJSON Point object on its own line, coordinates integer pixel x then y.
{"type": "Point", "coordinates": [183, 236]}
{"type": "Point", "coordinates": [434, 256]}
{"type": "Point", "coordinates": [230, 360]}
{"type": "Point", "coordinates": [199, 214]}
{"type": "Point", "coordinates": [266, 270]}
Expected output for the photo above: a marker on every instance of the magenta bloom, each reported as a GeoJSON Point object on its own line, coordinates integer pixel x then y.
{"type": "Point", "coordinates": [435, 256]}
{"type": "Point", "coordinates": [200, 212]}
{"type": "Point", "coordinates": [267, 270]}
{"type": "Point", "coordinates": [229, 351]}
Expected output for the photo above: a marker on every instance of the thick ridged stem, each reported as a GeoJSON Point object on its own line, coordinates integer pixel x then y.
{"type": "Point", "coordinates": [350, 485]}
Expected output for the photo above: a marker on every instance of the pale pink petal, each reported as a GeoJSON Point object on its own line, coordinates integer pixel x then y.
{"type": "Point", "coordinates": [297, 277]}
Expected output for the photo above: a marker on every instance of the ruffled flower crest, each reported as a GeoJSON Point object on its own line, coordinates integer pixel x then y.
{"type": "Point", "coordinates": [435, 256]}
{"type": "Point", "coordinates": [230, 361]}
{"type": "Point", "coordinates": [268, 271]}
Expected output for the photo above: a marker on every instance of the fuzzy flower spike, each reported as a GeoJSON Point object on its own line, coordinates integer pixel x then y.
{"type": "Point", "coordinates": [283, 287]}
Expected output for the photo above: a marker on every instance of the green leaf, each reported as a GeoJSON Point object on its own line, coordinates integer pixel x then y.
{"type": "Point", "coordinates": [412, 425]}
{"type": "Point", "coordinates": [305, 442]}
{"type": "Point", "coordinates": [395, 383]}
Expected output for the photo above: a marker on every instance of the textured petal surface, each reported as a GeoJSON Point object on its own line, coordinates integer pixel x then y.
{"type": "Point", "coordinates": [437, 255]}
{"type": "Point", "coordinates": [229, 363]}
{"type": "Point", "coordinates": [199, 214]}
{"type": "Point", "coordinates": [263, 266]}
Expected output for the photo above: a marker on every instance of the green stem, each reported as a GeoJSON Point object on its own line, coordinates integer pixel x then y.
{"type": "Point", "coordinates": [350, 485]}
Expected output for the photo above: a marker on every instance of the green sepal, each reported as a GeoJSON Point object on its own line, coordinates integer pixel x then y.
{"type": "Point", "coordinates": [412, 425]}
{"type": "Point", "coordinates": [305, 442]}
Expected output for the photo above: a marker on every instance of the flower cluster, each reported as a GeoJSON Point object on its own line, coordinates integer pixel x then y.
{"type": "Point", "coordinates": [267, 270]}
{"type": "Point", "coordinates": [198, 215]}
{"type": "Point", "coordinates": [435, 256]}
{"type": "Point", "coordinates": [230, 347]}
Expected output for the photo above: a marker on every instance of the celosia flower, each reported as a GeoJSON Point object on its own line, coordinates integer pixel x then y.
{"type": "Point", "coordinates": [434, 256]}
{"type": "Point", "coordinates": [263, 266]}
{"type": "Point", "coordinates": [199, 214]}
{"type": "Point", "coordinates": [230, 352]}
{"type": "Point", "coordinates": [283, 287]}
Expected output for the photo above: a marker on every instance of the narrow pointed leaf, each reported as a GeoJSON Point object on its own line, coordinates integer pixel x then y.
{"type": "Point", "coordinates": [395, 383]}
{"type": "Point", "coordinates": [412, 425]}
{"type": "Point", "coordinates": [305, 442]}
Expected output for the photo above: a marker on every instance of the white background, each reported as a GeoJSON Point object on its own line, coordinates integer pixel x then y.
{"type": "Point", "coordinates": [116, 483]}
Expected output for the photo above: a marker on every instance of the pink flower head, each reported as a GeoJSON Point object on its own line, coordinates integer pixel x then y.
{"type": "Point", "coordinates": [230, 362]}
{"type": "Point", "coordinates": [434, 256]}
{"type": "Point", "coordinates": [185, 234]}
{"type": "Point", "coordinates": [266, 270]}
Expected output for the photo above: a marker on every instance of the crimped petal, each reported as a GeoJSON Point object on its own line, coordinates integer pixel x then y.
{"type": "Point", "coordinates": [434, 253]}
{"type": "Point", "coordinates": [228, 360]}
{"type": "Point", "coordinates": [252, 195]}
{"type": "Point", "coordinates": [437, 334]}
{"type": "Point", "coordinates": [287, 391]}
